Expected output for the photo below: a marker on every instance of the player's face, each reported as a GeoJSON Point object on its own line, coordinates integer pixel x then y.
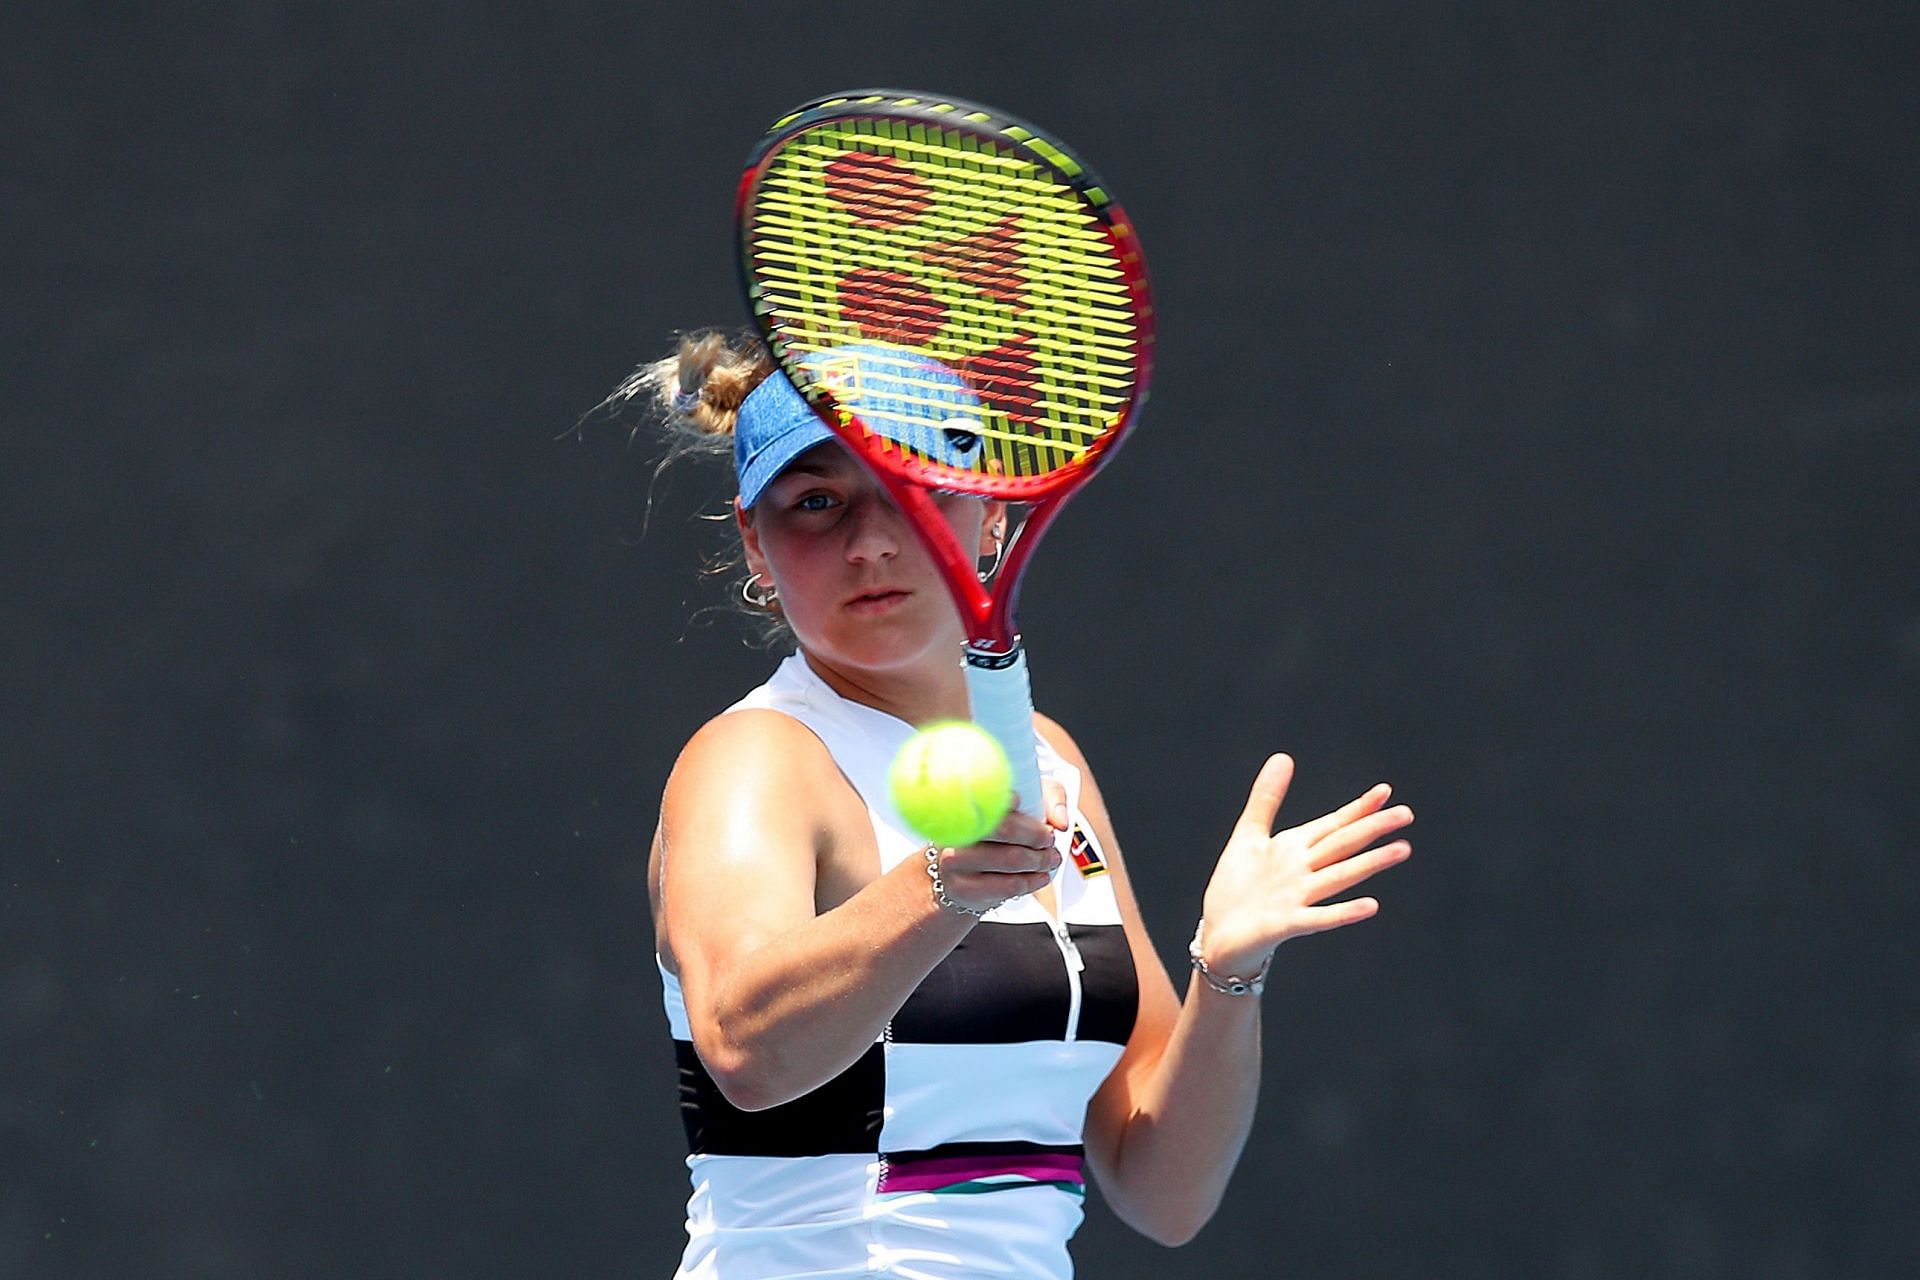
{"type": "Point", "coordinates": [854, 582]}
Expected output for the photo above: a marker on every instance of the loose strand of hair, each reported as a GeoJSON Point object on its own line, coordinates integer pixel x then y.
{"type": "Point", "coordinates": [692, 398]}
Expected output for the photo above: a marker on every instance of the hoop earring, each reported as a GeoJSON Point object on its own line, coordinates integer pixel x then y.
{"type": "Point", "coordinates": [758, 593]}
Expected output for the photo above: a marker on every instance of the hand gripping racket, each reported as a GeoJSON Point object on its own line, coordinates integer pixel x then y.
{"type": "Point", "coordinates": [962, 302]}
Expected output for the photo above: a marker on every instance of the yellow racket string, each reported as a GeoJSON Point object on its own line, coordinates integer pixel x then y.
{"type": "Point", "coordinates": [971, 262]}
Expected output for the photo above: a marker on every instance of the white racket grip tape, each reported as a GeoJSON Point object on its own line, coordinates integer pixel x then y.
{"type": "Point", "coordinates": [1002, 703]}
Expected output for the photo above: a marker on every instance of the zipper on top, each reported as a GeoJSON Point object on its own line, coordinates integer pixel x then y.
{"type": "Point", "coordinates": [1076, 965]}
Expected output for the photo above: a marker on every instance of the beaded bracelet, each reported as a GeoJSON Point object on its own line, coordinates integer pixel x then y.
{"type": "Point", "coordinates": [940, 890]}
{"type": "Point", "coordinates": [1226, 984]}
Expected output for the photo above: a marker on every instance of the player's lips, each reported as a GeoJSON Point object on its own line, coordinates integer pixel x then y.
{"type": "Point", "coordinates": [877, 599]}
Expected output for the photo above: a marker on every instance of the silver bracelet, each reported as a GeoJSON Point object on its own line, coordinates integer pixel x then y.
{"type": "Point", "coordinates": [1226, 984]}
{"type": "Point", "coordinates": [940, 890]}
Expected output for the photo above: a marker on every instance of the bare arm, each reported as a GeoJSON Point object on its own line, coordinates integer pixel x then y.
{"type": "Point", "coordinates": [1167, 1128]}
{"type": "Point", "coordinates": [781, 999]}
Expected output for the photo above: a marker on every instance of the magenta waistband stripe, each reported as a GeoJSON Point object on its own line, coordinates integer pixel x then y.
{"type": "Point", "coordinates": [933, 1173]}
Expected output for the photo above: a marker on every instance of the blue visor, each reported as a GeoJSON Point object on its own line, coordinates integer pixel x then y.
{"type": "Point", "coordinates": [914, 401]}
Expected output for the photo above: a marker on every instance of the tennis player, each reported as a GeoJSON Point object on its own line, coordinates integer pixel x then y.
{"type": "Point", "coordinates": [898, 1061]}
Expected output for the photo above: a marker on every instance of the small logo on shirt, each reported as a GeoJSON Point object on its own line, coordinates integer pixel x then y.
{"type": "Point", "coordinates": [1085, 853]}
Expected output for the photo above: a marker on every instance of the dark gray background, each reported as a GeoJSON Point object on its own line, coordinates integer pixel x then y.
{"type": "Point", "coordinates": [1535, 428]}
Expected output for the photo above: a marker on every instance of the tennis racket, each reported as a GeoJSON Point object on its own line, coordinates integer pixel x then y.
{"type": "Point", "coordinates": [960, 299]}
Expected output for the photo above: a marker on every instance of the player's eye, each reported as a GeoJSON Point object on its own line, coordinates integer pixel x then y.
{"type": "Point", "coordinates": [814, 502]}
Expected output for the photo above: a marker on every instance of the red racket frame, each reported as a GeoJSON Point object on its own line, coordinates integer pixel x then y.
{"type": "Point", "coordinates": [986, 614]}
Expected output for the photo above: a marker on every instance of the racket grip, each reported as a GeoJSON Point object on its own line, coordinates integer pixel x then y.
{"type": "Point", "coordinates": [1002, 703]}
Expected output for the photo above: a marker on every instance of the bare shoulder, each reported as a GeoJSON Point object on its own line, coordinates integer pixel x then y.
{"type": "Point", "coordinates": [1057, 736]}
{"type": "Point", "coordinates": [750, 807]}
{"type": "Point", "coordinates": [747, 749]}
{"type": "Point", "coordinates": [753, 774]}
{"type": "Point", "coordinates": [1092, 803]}
{"type": "Point", "coordinates": [1062, 742]}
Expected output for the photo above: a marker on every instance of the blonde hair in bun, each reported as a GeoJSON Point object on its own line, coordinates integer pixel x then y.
{"type": "Point", "coordinates": [696, 393]}
{"type": "Point", "coordinates": [693, 397]}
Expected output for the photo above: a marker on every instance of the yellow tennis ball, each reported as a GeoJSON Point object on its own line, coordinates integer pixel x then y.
{"type": "Point", "coordinates": [952, 783]}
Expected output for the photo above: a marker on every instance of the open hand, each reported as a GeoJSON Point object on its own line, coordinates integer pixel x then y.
{"type": "Point", "coordinates": [1269, 887]}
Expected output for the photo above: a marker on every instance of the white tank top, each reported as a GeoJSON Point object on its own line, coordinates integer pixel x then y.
{"type": "Point", "coordinates": [952, 1148]}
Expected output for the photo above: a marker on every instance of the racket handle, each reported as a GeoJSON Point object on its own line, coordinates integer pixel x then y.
{"type": "Point", "coordinates": [1003, 705]}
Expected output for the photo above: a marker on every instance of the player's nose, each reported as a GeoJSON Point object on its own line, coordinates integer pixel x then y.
{"type": "Point", "coordinates": [874, 529]}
